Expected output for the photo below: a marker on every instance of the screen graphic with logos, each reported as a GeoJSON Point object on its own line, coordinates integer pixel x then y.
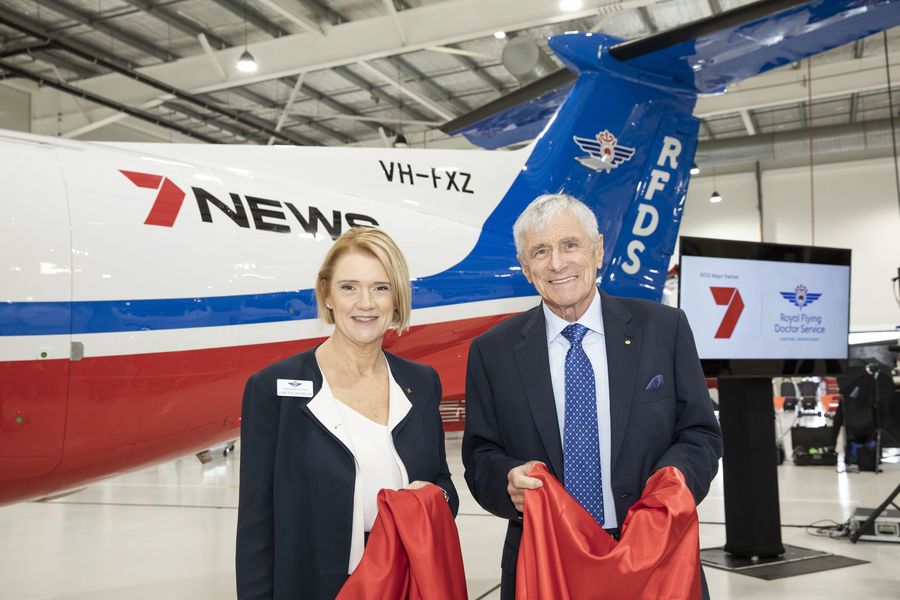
{"type": "Point", "coordinates": [759, 309]}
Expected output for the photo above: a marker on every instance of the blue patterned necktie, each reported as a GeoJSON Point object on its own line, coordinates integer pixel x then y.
{"type": "Point", "coordinates": [581, 447]}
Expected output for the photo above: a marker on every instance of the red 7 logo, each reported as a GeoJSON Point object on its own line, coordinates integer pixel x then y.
{"type": "Point", "coordinates": [168, 200]}
{"type": "Point", "coordinates": [731, 297]}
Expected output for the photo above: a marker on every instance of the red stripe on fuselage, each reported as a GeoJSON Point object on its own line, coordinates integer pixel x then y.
{"type": "Point", "coordinates": [125, 412]}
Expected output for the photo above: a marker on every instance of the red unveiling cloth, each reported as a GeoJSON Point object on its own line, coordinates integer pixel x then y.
{"type": "Point", "coordinates": [565, 554]}
{"type": "Point", "coordinates": [413, 551]}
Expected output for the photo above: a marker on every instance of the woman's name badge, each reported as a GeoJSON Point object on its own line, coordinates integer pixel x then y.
{"type": "Point", "coordinates": [295, 388]}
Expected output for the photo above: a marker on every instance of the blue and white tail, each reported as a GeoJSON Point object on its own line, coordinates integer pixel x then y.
{"type": "Point", "coordinates": [621, 146]}
{"type": "Point", "coordinates": [624, 138]}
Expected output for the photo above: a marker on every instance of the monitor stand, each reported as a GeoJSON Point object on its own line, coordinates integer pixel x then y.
{"type": "Point", "coordinates": [752, 514]}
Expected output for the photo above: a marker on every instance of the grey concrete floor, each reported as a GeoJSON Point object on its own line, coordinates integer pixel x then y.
{"type": "Point", "coordinates": [168, 533]}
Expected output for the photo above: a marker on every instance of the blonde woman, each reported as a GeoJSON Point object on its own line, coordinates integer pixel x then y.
{"type": "Point", "coordinates": [324, 430]}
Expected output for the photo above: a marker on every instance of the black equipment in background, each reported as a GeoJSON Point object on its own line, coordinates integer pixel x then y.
{"type": "Point", "coordinates": [869, 408]}
{"type": "Point", "coordinates": [789, 393]}
{"type": "Point", "coordinates": [866, 526]}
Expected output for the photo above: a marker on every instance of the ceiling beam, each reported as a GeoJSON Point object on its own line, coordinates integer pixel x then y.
{"type": "Point", "coordinates": [361, 82]}
{"type": "Point", "coordinates": [647, 20]}
{"type": "Point", "coordinates": [325, 12]}
{"type": "Point", "coordinates": [749, 123]}
{"type": "Point", "coordinates": [482, 74]}
{"type": "Point", "coordinates": [428, 83]}
{"type": "Point", "coordinates": [142, 79]}
{"type": "Point", "coordinates": [247, 134]}
{"type": "Point", "coordinates": [214, 63]}
{"type": "Point", "coordinates": [26, 48]}
{"type": "Point", "coordinates": [96, 123]}
{"type": "Point", "coordinates": [331, 103]}
{"type": "Point", "coordinates": [437, 24]}
{"type": "Point", "coordinates": [287, 108]}
{"type": "Point", "coordinates": [340, 136]}
{"type": "Point", "coordinates": [56, 59]}
{"type": "Point", "coordinates": [247, 13]}
{"type": "Point", "coordinates": [269, 127]}
{"type": "Point", "coordinates": [190, 28]}
{"type": "Point", "coordinates": [175, 20]}
{"type": "Point", "coordinates": [854, 107]}
{"type": "Point", "coordinates": [129, 38]}
{"type": "Point", "coordinates": [392, 11]}
{"type": "Point", "coordinates": [78, 93]}
{"type": "Point", "coordinates": [194, 29]}
{"type": "Point", "coordinates": [405, 90]}
{"type": "Point", "coordinates": [45, 36]}
{"type": "Point", "coordinates": [286, 9]}
{"type": "Point", "coordinates": [369, 120]}
{"type": "Point", "coordinates": [786, 86]}
{"type": "Point", "coordinates": [465, 58]}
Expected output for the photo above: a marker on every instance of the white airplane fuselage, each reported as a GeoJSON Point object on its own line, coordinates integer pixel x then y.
{"type": "Point", "coordinates": [142, 284]}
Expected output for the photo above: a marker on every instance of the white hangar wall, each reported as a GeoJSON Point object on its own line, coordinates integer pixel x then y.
{"type": "Point", "coordinates": [15, 109]}
{"type": "Point", "coordinates": [855, 207]}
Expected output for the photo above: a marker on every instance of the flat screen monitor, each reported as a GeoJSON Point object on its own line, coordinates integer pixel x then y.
{"type": "Point", "coordinates": [766, 310]}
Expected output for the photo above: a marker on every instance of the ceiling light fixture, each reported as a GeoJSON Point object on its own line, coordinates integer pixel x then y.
{"type": "Point", "coordinates": [500, 35]}
{"type": "Point", "coordinates": [400, 141]}
{"type": "Point", "coordinates": [695, 170]}
{"type": "Point", "coordinates": [716, 197]}
{"type": "Point", "coordinates": [570, 5]}
{"type": "Point", "coordinates": [246, 63]}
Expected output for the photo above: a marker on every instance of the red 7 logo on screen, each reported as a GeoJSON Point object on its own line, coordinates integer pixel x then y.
{"type": "Point", "coordinates": [731, 297]}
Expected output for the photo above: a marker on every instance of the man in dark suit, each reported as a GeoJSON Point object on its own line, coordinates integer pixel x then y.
{"type": "Point", "coordinates": [602, 390]}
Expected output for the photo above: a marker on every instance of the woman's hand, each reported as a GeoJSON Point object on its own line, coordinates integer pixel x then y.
{"type": "Point", "coordinates": [417, 485]}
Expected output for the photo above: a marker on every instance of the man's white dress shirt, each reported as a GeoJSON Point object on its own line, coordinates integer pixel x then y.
{"type": "Point", "coordinates": [594, 344]}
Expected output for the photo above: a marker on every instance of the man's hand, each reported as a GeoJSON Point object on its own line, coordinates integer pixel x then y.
{"type": "Point", "coordinates": [519, 481]}
{"type": "Point", "coordinates": [417, 485]}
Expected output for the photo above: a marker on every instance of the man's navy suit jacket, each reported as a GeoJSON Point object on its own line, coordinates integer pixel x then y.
{"type": "Point", "coordinates": [511, 413]}
{"type": "Point", "coordinates": [297, 480]}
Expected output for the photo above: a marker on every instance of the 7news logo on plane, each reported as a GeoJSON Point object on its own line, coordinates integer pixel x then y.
{"type": "Point", "coordinates": [266, 214]}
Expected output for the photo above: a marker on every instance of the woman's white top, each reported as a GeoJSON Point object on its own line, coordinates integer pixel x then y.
{"type": "Point", "coordinates": [338, 418]}
{"type": "Point", "coordinates": [374, 451]}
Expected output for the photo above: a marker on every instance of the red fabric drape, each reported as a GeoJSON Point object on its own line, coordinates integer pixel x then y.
{"type": "Point", "coordinates": [413, 551]}
{"type": "Point", "coordinates": [565, 554]}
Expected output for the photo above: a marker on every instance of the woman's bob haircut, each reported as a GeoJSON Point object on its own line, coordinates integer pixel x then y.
{"type": "Point", "coordinates": [376, 243]}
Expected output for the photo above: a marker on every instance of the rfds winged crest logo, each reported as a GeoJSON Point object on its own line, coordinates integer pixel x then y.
{"type": "Point", "coordinates": [800, 296]}
{"type": "Point", "coordinates": [604, 152]}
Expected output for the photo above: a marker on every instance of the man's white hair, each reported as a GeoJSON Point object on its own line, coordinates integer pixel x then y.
{"type": "Point", "coordinates": [547, 207]}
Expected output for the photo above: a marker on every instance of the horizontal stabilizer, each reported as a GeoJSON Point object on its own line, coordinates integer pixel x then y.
{"type": "Point", "coordinates": [701, 57]}
{"type": "Point", "coordinates": [708, 55]}
{"type": "Point", "coordinates": [516, 117]}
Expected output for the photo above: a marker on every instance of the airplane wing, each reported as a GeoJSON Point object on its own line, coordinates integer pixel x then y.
{"type": "Point", "coordinates": [704, 56]}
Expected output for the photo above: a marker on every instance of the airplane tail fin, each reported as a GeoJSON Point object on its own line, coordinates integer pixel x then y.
{"type": "Point", "coordinates": [621, 144]}
{"type": "Point", "coordinates": [624, 138]}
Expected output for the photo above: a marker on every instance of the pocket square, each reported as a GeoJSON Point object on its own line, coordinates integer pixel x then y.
{"type": "Point", "coordinates": [654, 383]}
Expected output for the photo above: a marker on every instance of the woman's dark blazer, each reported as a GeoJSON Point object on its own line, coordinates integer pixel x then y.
{"type": "Point", "coordinates": [297, 480]}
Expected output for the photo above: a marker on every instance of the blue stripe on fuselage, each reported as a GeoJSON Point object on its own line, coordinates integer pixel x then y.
{"type": "Point", "coordinates": [109, 316]}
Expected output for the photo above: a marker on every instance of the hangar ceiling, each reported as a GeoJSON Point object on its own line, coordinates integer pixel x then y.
{"type": "Point", "coordinates": [336, 72]}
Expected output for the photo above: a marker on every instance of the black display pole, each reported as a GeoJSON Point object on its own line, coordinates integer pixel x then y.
{"type": "Point", "coordinates": [752, 515]}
